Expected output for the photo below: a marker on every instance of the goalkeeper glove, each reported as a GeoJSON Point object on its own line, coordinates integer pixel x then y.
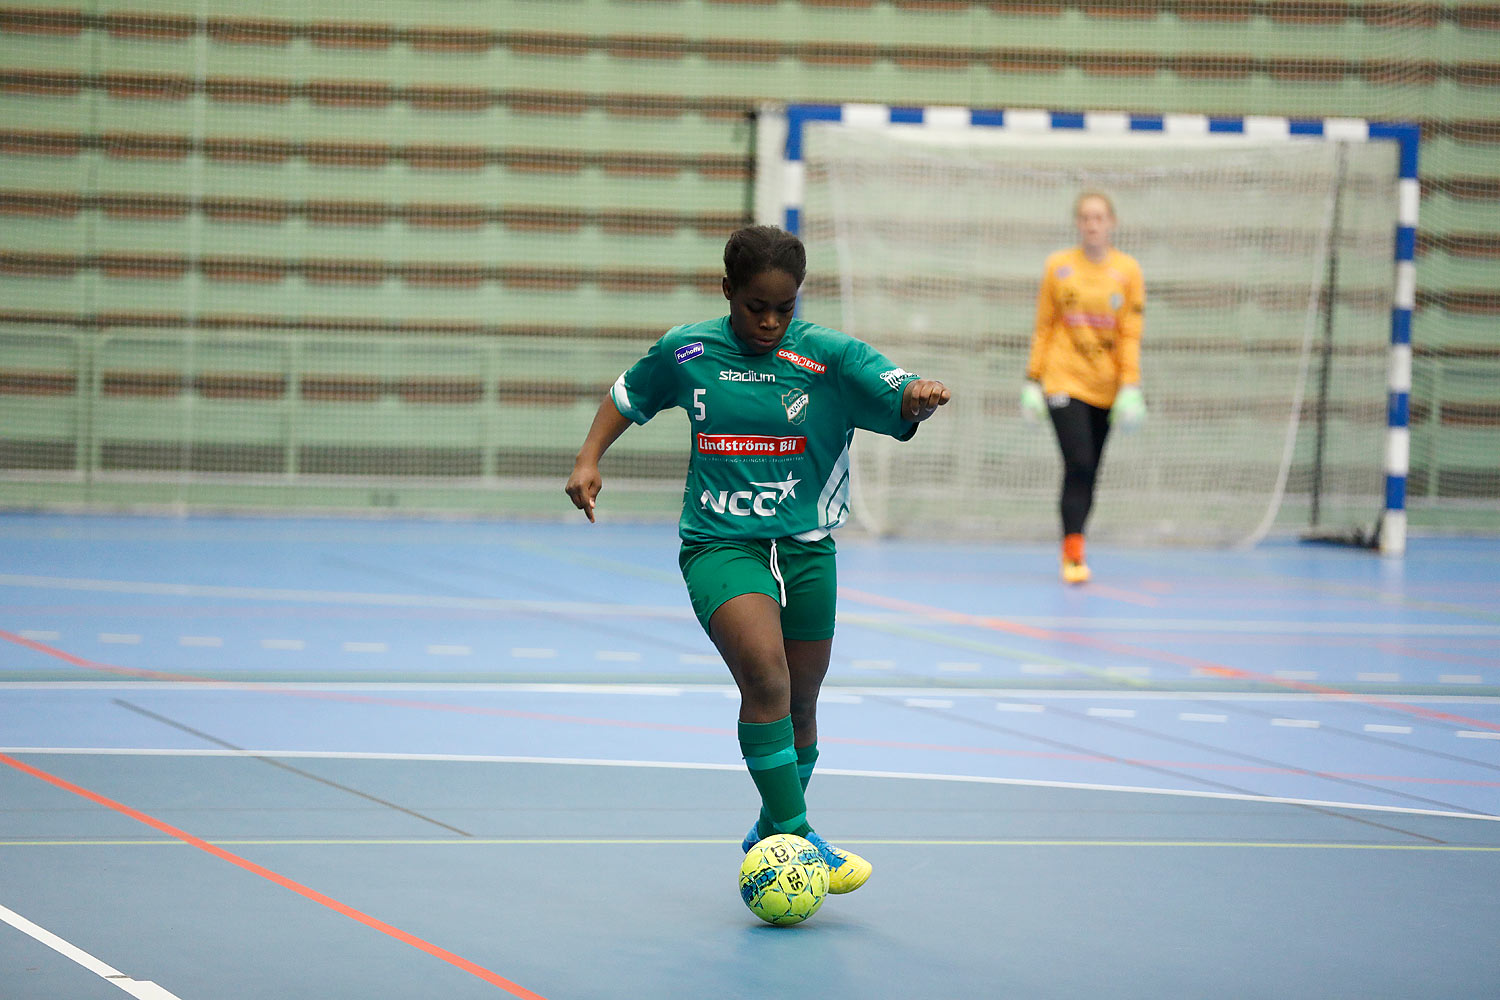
{"type": "Point", "coordinates": [1129, 411]}
{"type": "Point", "coordinates": [1033, 403]}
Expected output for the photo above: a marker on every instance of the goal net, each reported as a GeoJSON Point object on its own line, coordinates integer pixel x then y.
{"type": "Point", "coordinates": [1269, 276]}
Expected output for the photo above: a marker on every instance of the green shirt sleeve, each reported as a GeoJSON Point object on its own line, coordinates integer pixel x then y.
{"type": "Point", "coordinates": [648, 386]}
{"type": "Point", "coordinates": [871, 385]}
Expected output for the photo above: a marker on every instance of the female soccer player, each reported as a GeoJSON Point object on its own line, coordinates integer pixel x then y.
{"type": "Point", "coordinates": [1085, 364]}
{"type": "Point", "coordinates": [772, 405]}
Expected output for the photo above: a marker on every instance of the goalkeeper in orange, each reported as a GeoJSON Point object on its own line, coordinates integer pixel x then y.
{"type": "Point", "coordinates": [1085, 364]}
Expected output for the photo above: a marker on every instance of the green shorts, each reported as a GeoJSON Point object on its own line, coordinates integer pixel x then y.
{"type": "Point", "coordinates": [801, 577]}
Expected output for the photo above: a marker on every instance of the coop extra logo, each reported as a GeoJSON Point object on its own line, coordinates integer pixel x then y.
{"type": "Point", "coordinates": [801, 362]}
{"type": "Point", "coordinates": [758, 502]}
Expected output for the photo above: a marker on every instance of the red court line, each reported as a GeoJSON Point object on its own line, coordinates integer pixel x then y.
{"type": "Point", "coordinates": [110, 668]}
{"type": "Point", "coordinates": [286, 883]}
{"type": "Point", "coordinates": [1347, 641]}
{"type": "Point", "coordinates": [1121, 594]}
{"type": "Point", "coordinates": [673, 727]}
{"type": "Point", "coordinates": [1146, 653]}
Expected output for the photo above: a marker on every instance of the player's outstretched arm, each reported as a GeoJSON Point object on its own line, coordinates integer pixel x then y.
{"type": "Point", "coordinates": [584, 484]}
{"type": "Point", "coordinates": [921, 398]}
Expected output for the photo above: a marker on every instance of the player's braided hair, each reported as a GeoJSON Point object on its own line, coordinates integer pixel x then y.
{"type": "Point", "coordinates": [757, 249]}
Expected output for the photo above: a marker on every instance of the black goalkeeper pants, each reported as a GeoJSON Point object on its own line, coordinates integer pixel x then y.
{"type": "Point", "coordinates": [1081, 430]}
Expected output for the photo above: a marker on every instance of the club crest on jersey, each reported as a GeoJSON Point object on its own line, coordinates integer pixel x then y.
{"type": "Point", "coordinates": [817, 367]}
{"type": "Point", "coordinates": [795, 402]}
{"type": "Point", "coordinates": [895, 377]}
{"type": "Point", "coordinates": [688, 352]}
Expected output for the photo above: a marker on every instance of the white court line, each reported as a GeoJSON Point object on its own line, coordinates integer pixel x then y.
{"type": "Point", "coordinates": [1111, 713]}
{"type": "Point", "coordinates": [136, 988]}
{"type": "Point", "coordinates": [120, 638]}
{"type": "Point", "coordinates": [1376, 728]}
{"type": "Point", "coordinates": [676, 611]}
{"type": "Point", "coordinates": [1202, 717]}
{"type": "Point", "coordinates": [739, 767]}
{"type": "Point", "coordinates": [207, 641]}
{"type": "Point", "coordinates": [629, 687]}
{"type": "Point", "coordinates": [340, 597]}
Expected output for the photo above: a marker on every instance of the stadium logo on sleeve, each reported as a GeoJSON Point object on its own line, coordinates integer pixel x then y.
{"type": "Point", "coordinates": [813, 366]}
{"type": "Point", "coordinates": [688, 352]}
{"type": "Point", "coordinates": [895, 377]}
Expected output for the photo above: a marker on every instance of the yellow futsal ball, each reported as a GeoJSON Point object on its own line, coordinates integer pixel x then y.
{"type": "Point", "coordinates": [783, 880]}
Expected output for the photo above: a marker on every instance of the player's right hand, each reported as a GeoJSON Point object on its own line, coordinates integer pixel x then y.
{"type": "Point", "coordinates": [583, 487]}
{"type": "Point", "coordinates": [1033, 402]}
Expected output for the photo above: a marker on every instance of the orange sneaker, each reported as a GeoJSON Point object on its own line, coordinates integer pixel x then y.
{"type": "Point", "coordinates": [1075, 572]}
{"type": "Point", "coordinates": [1074, 569]}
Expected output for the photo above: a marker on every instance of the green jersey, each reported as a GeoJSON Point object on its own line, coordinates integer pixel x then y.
{"type": "Point", "coordinates": [770, 433]}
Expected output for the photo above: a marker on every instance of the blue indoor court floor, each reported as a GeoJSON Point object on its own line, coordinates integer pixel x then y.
{"type": "Point", "coordinates": [336, 758]}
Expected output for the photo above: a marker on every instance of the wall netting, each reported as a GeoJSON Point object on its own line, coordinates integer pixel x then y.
{"type": "Point", "coordinates": [391, 253]}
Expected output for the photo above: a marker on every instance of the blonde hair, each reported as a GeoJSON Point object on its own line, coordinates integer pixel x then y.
{"type": "Point", "coordinates": [1086, 195]}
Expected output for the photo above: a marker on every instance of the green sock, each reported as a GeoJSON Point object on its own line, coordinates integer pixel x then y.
{"type": "Point", "coordinates": [807, 757]}
{"type": "Point", "coordinates": [772, 761]}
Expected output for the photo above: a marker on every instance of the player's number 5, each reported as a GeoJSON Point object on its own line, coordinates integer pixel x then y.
{"type": "Point", "coordinates": [700, 412]}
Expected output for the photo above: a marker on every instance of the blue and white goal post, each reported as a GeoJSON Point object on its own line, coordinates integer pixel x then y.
{"type": "Point", "coordinates": [782, 189]}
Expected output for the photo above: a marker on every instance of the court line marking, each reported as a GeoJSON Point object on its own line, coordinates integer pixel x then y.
{"type": "Point", "coordinates": [631, 687]}
{"type": "Point", "coordinates": [676, 611]}
{"type": "Point", "coordinates": [474, 969]}
{"type": "Point", "coordinates": [720, 842]}
{"type": "Point", "coordinates": [294, 595]}
{"type": "Point", "coordinates": [1207, 667]}
{"type": "Point", "coordinates": [736, 767]}
{"type": "Point", "coordinates": [669, 727]}
{"type": "Point", "coordinates": [141, 989]}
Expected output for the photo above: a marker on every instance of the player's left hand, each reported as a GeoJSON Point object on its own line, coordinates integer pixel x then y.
{"type": "Point", "coordinates": [921, 398]}
{"type": "Point", "coordinates": [1129, 409]}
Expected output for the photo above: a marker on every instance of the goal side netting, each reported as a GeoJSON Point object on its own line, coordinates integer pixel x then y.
{"type": "Point", "coordinates": [1269, 275]}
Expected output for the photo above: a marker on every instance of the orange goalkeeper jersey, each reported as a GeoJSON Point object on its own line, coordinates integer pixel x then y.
{"type": "Point", "coordinates": [1087, 342]}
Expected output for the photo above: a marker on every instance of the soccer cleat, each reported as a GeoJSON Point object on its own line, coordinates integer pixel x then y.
{"type": "Point", "coordinates": [752, 838]}
{"type": "Point", "coordinates": [846, 871]}
{"type": "Point", "coordinates": [1075, 572]}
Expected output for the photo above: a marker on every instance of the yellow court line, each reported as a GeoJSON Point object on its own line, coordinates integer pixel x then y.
{"type": "Point", "coordinates": [716, 842]}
